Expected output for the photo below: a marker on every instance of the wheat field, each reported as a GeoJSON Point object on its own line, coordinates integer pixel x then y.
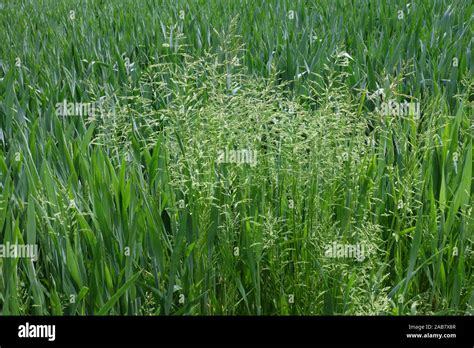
{"type": "Point", "coordinates": [236, 157]}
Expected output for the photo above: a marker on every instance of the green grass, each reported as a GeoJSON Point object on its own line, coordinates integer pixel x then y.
{"type": "Point", "coordinates": [131, 209]}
